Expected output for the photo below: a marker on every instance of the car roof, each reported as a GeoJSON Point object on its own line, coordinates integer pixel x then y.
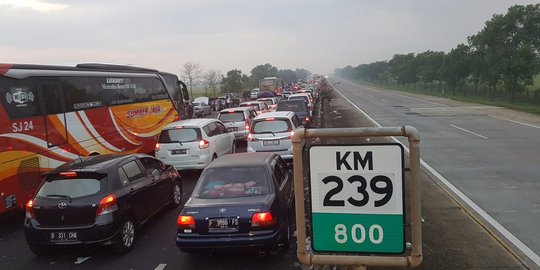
{"type": "Point", "coordinates": [197, 122]}
{"type": "Point", "coordinates": [255, 159]}
{"type": "Point", "coordinates": [99, 163]}
{"type": "Point", "coordinates": [286, 114]}
{"type": "Point", "coordinates": [254, 101]}
{"type": "Point", "coordinates": [236, 109]}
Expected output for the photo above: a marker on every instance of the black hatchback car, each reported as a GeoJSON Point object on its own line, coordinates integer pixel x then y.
{"type": "Point", "coordinates": [241, 202]}
{"type": "Point", "coordinates": [99, 200]}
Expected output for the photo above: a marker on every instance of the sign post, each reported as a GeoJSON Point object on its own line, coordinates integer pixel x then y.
{"type": "Point", "coordinates": [357, 199]}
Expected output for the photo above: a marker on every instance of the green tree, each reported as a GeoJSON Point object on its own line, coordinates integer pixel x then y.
{"type": "Point", "coordinates": [260, 72]}
{"type": "Point", "coordinates": [287, 75]}
{"type": "Point", "coordinates": [302, 73]}
{"type": "Point", "coordinates": [234, 82]}
{"type": "Point", "coordinates": [456, 66]}
{"type": "Point", "coordinates": [508, 47]}
{"type": "Point", "coordinates": [429, 66]}
{"type": "Point", "coordinates": [404, 68]}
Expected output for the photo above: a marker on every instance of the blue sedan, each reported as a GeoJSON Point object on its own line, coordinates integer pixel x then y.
{"type": "Point", "coordinates": [241, 201]}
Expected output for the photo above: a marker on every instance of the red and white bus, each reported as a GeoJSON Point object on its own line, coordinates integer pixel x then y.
{"type": "Point", "coordinates": [53, 114]}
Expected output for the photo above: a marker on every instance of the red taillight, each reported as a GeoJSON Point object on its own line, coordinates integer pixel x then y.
{"type": "Point", "coordinates": [177, 118]}
{"type": "Point", "coordinates": [185, 222]}
{"type": "Point", "coordinates": [250, 138]}
{"type": "Point", "coordinates": [307, 119]}
{"type": "Point", "coordinates": [68, 174]}
{"type": "Point", "coordinates": [29, 209]}
{"type": "Point", "coordinates": [292, 134]}
{"type": "Point", "coordinates": [157, 147]}
{"type": "Point", "coordinates": [247, 125]}
{"type": "Point", "coordinates": [262, 220]}
{"type": "Point", "coordinates": [107, 205]}
{"type": "Point", "coordinates": [203, 144]}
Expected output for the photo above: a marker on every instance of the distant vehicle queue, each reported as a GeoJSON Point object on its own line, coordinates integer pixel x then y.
{"type": "Point", "coordinates": [96, 118]}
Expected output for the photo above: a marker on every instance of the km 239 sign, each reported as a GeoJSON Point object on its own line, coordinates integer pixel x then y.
{"type": "Point", "coordinates": [357, 198]}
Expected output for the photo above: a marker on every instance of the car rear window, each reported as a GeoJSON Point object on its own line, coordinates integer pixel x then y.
{"type": "Point", "coordinates": [231, 116]}
{"type": "Point", "coordinates": [196, 103]}
{"type": "Point", "coordinates": [291, 106]}
{"type": "Point", "coordinates": [233, 182]}
{"type": "Point", "coordinates": [300, 97]}
{"type": "Point", "coordinates": [271, 126]}
{"type": "Point", "coordinates": [267, 101]}
{"type": "Point", "coordinates": [72, 186]}
{"type": "Point", "coordinates": [179, 135]}
{"type": "Point", "coordinates": [254, 105]}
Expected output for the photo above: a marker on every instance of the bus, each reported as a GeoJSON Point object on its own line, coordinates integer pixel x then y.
{"type": "Point", "coordinates": [53, 114]}
{"type": "Point", "coordinates": [272, 84]}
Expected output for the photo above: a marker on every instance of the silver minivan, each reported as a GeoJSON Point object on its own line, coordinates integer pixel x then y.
{"type": "Point", "coordinates": [272, 132]}
{"type": "Point", "coordinates": [192, 144]}
{"type": "Point", "coordinates": [238, 120]}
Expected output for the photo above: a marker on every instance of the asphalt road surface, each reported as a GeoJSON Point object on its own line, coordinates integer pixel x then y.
{"type": "Point", "coordinates": [489, 154]}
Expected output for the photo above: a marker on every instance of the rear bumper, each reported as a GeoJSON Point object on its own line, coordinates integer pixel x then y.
{"type": "Point", "coordinates": [195, 164]}
{"type": "Point", "coordinates": [91, 235]}
{"type": "Point", "coordinates": [262, 240]}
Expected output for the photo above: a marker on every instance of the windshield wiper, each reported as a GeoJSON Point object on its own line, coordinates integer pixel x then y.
{"type": "Point", "coordinates": [59, 196]}
{"type": "Point", "coordinates": [262, 132]}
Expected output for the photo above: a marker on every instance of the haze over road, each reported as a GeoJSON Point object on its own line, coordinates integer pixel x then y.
{"type": "Point", "coordinates": [490, 154]}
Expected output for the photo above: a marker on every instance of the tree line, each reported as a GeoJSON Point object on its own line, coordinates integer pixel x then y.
{"type": "Point", "coordinates": [235, 81]}
{"type": "Point", "coordinates": [500, 61]}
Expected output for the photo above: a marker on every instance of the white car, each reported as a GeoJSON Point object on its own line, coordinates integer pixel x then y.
{"type": "Point", "coordinates": [201, 106]}
{"type": "Point", "coordinates": [271, 102]}
{"type": "Point", "coordinates": [192, 144]}
{"type": "Point", "coordinates": [254, 94]}
{"type": "Point", "coordinates": [272, 132]}
{"type": "Point", "coordinates": [259, 106]}
{"type": "Point", "coordinates": [238, 120]}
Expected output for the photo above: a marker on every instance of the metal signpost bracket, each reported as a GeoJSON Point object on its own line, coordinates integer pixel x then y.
{"type": "Point", "coordinates": [359, 261]}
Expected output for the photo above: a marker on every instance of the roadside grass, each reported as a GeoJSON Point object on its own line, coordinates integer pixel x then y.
{"type": "Point", "coordinates": [525, 102]}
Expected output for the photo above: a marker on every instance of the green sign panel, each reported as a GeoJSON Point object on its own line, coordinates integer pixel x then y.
{"type": "Point", "coordinates": [358, 233]}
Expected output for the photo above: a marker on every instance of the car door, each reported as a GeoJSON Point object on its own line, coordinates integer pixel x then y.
{"type": "Point", "coordinates": [283, 179]}
{"type": "Point", "coordinates": [161, 187]}
{"type": "Point", "coordinates": [136, 186]}
{"type": "Point", "coordinates": [225, 138]}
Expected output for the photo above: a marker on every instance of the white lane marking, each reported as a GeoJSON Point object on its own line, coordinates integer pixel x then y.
{"type": "Point", "coordinates": [514, 121]}
{"type": "Point", "coordinates": [466, 130]}
{"type": "Point", "coordinates": [502, 230]}
{"type": "Point", "coordinates": [384, 100]}
{"type": "Point", "coordinates": [81, 260]}
{"type": "Point", "coordinates": [160, 266]}
{"type": "Point", "coordinates": [370, 96]}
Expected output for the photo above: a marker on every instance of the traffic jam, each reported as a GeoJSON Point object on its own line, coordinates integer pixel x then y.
{"type": "Point", "coordinates": [240, 202]}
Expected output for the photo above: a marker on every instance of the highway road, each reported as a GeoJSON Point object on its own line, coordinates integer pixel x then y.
{"type": "Point", "coordinates": [155, 248]}
{"type": "Point", "coordinates": [490, 154]}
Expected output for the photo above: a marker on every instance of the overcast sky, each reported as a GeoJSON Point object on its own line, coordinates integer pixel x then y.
{"type": "Point", "coordinates": [236, 34]}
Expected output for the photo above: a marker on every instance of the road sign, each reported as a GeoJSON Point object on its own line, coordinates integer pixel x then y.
{"type": "Point", "coordinates": [357, 202]}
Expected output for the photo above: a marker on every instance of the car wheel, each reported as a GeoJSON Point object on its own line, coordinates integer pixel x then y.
{"type": "Point", "coordinates": [233, 149]}
{"type": "Point", "coordinates": [214, 157]}
{"type": "Point", "coordinates": [286, 241]}
{"type": "Point", "coordinates": [39, 250]}
{"type": "Point", "coordinates": [126, 237]}
{"type": "Point", "coordinates": [176, 199]}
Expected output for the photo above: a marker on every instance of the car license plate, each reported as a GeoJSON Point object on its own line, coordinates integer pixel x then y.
{"type": "Point", "coordinates": [232, 129]}
{"type": "Point", "coordinates": [223, 223]}
{"type": "Point", "coordinates": [271, 142]}
{"type": "Point", "coordinates": [179, 151]}
{"type": "Point", "coordinates": [63, 236]}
